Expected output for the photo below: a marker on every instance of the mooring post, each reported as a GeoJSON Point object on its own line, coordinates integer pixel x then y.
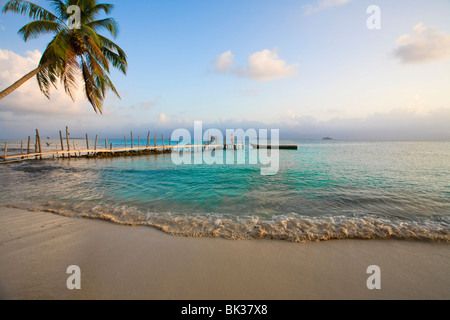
{"type": "Point", "coordinates": [87, 143]}
{"type": "Point", "coordinates": [38, 137]}
{"type": "Point", "coordinates": [148, 139]}
{"type": "Point", "coordinates": [6, 151]}
{"type": "Point", "coordinates": [68, 144]}
{"type": "Point", "coordinates": [61, 139]}
{"type": "Point", "coordinates": [96, 139]}
{"type": "Point", "coordinates": [125, 140]}
{"type": "Point", "coordinates": [62, 143]}
{"type": "Point", "coordinates": [162, 138]}
{"type": "Point", "coordinates": [28, 147]}
{"type": "Point", "coordinates": [131, 139]}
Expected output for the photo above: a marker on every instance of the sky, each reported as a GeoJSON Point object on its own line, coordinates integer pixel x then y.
{"type": "Point", "coordinates": [312, 69]}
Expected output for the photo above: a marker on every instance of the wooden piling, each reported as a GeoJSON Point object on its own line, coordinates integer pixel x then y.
{"type": "Point", "coordinates": [96, 140]}
{"type": "Point", "coordinates": [156, 137]}
{"type": "Point", "coordinates": [148, 139]}
{"type": "Point", "coordinates": [106, 143]}
{"type": "Point", "coordinates": [35, 146]}
{"type": "Point", "coordinates": [62, 142]}
{"type": "Point", "coordinates": [125, 140]}
{"type": "Point", "coordinates": [61, 138]}
{"type": "Point", "coordinates": [162, 138]}
{"type": "Point", "coordinates": [131, 139]}
{"type": "Point", "coordinates": [21, 148]}
{"type": "Point", "coordinates": [6, 151]}
{"type": "Point", "coordinates": [28, 148]}
{"type": "Point", "coordinates": [68, 144]}
{"type": "Point", "coordinates": [39, 142]}
{"type": "Point", "coordinates": [87, 142]}
{"type": "Point", "coordinates": [139, 141]}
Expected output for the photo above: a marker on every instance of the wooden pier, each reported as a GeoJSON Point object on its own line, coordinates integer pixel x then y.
{"type": "Point", "coordinates": [65, 152]}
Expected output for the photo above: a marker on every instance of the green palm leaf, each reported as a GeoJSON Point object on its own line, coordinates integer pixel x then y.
{"type": "Point", "coordinates": [36, 28]}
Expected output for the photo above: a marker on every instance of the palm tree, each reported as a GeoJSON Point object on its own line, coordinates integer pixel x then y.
{"type": "Point", "coordinates": [73, 53]}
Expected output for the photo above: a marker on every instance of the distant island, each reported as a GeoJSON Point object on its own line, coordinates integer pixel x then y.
{"type": "Point", "coordinates": [327, 138]}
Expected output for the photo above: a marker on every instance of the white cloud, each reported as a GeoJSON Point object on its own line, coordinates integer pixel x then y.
{"type": "Point", "coordinates": [163, 118]}
{"type": "Point", "coordinates": [423, 45]}
{"type": "Point", "coordinates": [262, 66]}
{"type": "Point", "coordinates": [410, 123]}
{"type": "Point", "coordinates": [323, 5]}
{"type": "Point", "coordinates": [225, 62]}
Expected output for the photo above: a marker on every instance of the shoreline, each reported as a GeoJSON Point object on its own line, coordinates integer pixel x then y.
{"type": "Point", "coordinates": [123, 262]}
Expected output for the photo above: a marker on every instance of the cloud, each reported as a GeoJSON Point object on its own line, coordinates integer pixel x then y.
{"type": "Point", "coordinates": [423, 45]}
{"type": "Point", "coordinates": [323, 5]}
{"type": "Point", "coordinates": [409, 123]}
{"type": "Point", "coordinates": [225, 62]}
{"type": "Point", "coordinates": [262, 66]}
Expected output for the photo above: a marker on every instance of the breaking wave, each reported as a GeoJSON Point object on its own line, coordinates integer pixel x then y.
{"type": "Point", "coordinates": [293, 227]}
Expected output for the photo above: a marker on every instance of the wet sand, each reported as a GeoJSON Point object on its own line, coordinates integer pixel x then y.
{"type": "Point", "coordinates": [122, 262]}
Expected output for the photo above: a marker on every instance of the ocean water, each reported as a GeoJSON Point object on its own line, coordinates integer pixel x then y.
{"type": "Point", "coordinates": [325, 190]}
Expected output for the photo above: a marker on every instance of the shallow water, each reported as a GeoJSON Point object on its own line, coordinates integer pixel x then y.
{"type": "Point", "coordinates": [325, 190]}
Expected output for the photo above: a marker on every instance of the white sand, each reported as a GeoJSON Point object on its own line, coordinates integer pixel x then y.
{"type": "Point", "coordinates": [120, 262]}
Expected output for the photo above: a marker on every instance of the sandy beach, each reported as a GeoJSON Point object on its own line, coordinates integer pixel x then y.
{"type": "Point", "coordinates": [120, 262]}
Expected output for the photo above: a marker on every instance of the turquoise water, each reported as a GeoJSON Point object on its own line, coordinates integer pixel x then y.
{"type": "Point", "coordinates": [325, 190]}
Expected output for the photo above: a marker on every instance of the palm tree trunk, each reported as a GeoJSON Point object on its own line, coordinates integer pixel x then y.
{"type": "Point", "coordinates": [24, 79]}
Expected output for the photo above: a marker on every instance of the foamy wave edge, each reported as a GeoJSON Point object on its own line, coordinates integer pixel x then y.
{"type": "Point", "coordinates": [292, 229]}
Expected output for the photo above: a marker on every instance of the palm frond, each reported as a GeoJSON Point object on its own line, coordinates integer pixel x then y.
{"type": "Point", "coordinates": [60, 8]}
{"type": "Point", "coordinates": [116, 60]}
{"type": "Point", "coordinates": [93, 10]}
{"type": "Point", "coordinates": [108, 24]}
{"type": "Point", "coordinates": [69, 74]}
{"type": "Point", "coordinates": [114, 53]}
{"type": "Point", "coordinates": [36, 28]}
{"type": "Point", "coordinates": [97, 53]}
{"type": "Point", "coordinates": [61, 44]}
{"type": "Point", "coordinates": [91, 90]}
{"type": "Point", "coordinates": [101, 78]}
{"type": "Point", "coordinates": [90, 33]}
{"type": "Point", "coordinates": [33, 11]}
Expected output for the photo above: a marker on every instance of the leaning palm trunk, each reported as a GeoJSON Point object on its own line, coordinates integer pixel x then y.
{"type": "Point", "coordinates": [24, 79]}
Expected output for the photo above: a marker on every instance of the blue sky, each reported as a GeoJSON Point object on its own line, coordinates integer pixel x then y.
{"type": "Point", "coordinates": [309, 68]}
